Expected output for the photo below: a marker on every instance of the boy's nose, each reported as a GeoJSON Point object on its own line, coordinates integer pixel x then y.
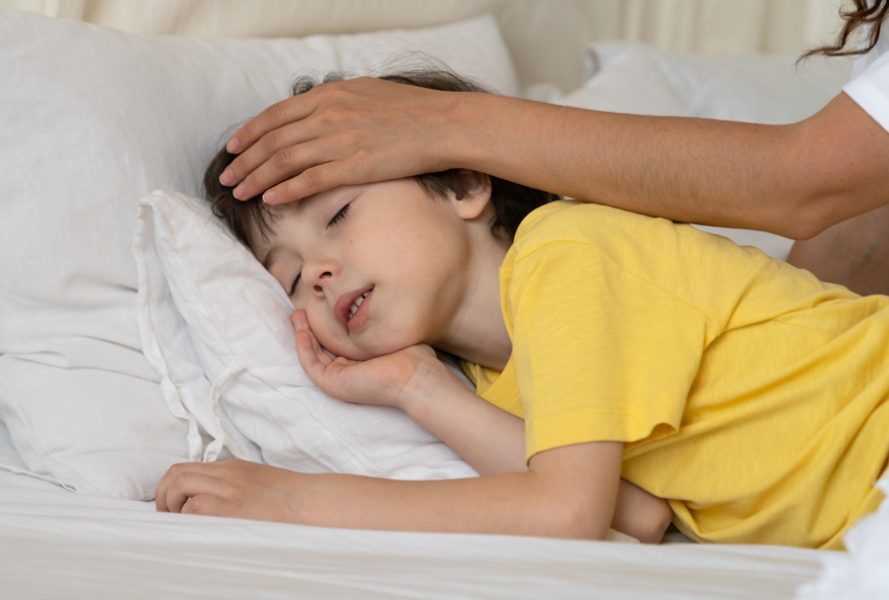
{"type": "Point", "coordinates": [319, 274]}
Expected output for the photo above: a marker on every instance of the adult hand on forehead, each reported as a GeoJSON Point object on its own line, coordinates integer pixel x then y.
{"type": "Point", "coordinates": [348, 132]}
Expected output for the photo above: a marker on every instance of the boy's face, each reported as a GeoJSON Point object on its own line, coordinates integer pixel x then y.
{"type": "Point", "coordinates": [376, 267]}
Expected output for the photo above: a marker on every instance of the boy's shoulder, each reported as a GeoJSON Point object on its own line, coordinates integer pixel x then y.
{"type": "Point", "coordinates": [635, 241]}
{"type": "Point", "coordinates": [577, 221]}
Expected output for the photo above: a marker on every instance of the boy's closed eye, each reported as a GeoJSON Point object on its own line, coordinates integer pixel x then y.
{"type": "Point", "coordinates": [340, 215]}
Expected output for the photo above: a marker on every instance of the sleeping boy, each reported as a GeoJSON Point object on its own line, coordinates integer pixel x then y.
{"type": "Point", "coordinates": [622, 364]}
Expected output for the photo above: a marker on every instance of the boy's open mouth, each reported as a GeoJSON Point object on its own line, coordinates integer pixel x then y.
{"type": "Point", "coordinates": [351, 308]}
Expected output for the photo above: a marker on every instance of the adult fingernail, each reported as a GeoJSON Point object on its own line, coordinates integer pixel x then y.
{"type": "Point", "coordinates": [239, 192]}
{"type": "Point", "coordinates": [233, 145]}
{"type": "Point", "coordinates": [227, 177]}
{"type": "Point", "coordinates": [269, 197]}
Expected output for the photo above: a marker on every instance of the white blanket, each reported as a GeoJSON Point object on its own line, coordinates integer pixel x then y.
{"type": "Point", "coordinates": [56, 544]}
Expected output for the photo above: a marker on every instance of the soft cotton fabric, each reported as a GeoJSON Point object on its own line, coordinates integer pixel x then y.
{"type": "Point", "coordinates": [215, 326]}
{"type": "Point", "coordinates": [749, 394]}
{"type": "Point", "coordinates": [869, 86]}
{"type": "Point", "coordinates": [93, 119]}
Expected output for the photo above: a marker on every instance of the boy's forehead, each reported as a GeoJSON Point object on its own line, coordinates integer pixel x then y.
{"type": "Point", "coordinates": [319, 199]}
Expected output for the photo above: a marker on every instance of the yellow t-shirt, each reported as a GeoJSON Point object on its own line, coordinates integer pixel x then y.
{"type": "Point", "coordinates": [749, 395]}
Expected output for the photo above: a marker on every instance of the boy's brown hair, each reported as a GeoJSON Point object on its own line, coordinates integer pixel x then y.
{"type": "Point", "coordinates": [252, 217]}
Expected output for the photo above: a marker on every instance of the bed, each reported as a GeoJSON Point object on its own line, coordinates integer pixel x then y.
{"type": "Point", "coordinates": [124, 347]}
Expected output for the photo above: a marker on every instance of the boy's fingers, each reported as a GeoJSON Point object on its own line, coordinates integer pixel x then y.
{"type": "Point", "coordinates": [182, 486]}
{"type": "Point", "coordinates": [308, 357]}
{"type": "Point", "coordinates": [298, 318]}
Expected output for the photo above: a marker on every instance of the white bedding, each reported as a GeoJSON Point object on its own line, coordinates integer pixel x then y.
{"type": "Point", "coordinates": [57, 544]}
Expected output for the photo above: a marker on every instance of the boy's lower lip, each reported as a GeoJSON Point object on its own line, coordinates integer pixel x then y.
{"type": "Point", "coordinates": [360, 317]}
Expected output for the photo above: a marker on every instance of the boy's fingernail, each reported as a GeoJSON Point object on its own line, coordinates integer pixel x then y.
{"type": "Point", "coordinates": [233, 145]}
{"type": "Point", "coordinates": [227, 177]}
{"type": "Point", "coordinates": [269, 197]}
{"type": "Point", "coordinates": [239, 192]}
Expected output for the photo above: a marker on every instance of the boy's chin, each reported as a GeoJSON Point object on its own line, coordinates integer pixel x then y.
{"type": "Point", "coordinates": [362, 354]}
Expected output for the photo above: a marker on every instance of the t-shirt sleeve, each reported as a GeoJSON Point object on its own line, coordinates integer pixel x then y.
{"type": "Point", "coordinates": [601, 353]}
{"type": "Point", "coordinates": [870, 90]}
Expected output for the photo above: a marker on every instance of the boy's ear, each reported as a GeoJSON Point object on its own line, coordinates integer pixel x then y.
{"type": "Point", "coordinates": [477, 197]}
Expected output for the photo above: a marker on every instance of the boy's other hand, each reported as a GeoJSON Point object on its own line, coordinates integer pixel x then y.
{"type": "Point", "coordinates": [389, 380]}
{"type": "Point", "coordinates": [349, 132]}
{"type": "Point", "coordinates": [231, 488]}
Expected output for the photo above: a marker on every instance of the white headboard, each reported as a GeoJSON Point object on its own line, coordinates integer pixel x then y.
{"type": "Point", "coordinates": [545, 37]}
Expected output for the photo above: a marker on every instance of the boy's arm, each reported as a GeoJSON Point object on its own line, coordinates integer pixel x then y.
{"type": "Point", "coordinates": [492, 441]}
{"type": "Point", "coordinates": [547, 500]}
{"type": "Point", "coordinates": [489, 439]}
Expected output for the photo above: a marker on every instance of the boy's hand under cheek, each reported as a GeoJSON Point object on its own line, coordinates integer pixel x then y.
{"type": "Point", "coordinates": [389, 380]}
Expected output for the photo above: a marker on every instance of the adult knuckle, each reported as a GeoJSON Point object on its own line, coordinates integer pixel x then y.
{"type": "Point", "coordinates": [275, 112]}
{"type": "Point", "coordinates": [331, 91]}
{"type": "Point", "coordinates": [283, 159]}
{"type": "Point", "coordinates": [313, 178]}
{"type": "Point", "coordinates": [353, 139]}
{"type": "Point", "coordinates": [271, 141]}
{"type": "Point", "coordinates": [329, 116]}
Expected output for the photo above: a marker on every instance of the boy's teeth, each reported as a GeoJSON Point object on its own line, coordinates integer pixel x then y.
{"type": "Point", "coordinates": [354, 308]}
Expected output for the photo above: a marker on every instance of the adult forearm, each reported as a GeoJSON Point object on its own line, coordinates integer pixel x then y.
{"type": "Point", "coordinates": [694, 170]}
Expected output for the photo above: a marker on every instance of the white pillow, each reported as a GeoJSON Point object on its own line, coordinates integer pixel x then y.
{"type": "Point", "coordinates": [639, 79]}
{"type": "Point", "coordinates": [860, 572]}
{"type": "Point", "coordinates": [759, 88]}
{"type": "Point", "coordinates": [207, 307]}
{"type": "Point", "coordinates": [92, 120]}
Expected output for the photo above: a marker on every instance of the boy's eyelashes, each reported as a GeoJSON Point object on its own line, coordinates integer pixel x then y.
{"type": "Point", "coordinates": [295, 281]}
{"type": "Point", "coordinates": [340, 215]}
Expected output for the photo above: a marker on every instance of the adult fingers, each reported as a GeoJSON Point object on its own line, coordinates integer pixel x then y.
{"type": "Point", "coordinates": [312, 180]}
{"type": "Point", "coordinates": [275, 116]}
{"type": "Point", "coordinates": [277, 154]}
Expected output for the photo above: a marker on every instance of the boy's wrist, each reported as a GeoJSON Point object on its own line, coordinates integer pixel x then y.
{"type": "Point", "coordinates": [432, 381]}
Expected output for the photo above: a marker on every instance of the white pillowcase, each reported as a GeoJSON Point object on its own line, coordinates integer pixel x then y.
{"type": "Point", "coordinates": [215, 324]}
{"type": "Point", "coordinates": [763, 88]}
{"type": "Point", "coordinates": [639, 79]}
{"type": "Point", "coordinates": [92, 120]}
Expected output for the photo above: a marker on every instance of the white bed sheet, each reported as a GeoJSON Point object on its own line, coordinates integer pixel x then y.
{"type": "Point", "coordinates": [57, 544]}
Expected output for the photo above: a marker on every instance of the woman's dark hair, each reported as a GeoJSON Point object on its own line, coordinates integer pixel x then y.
{"type": "Point", "coordinates": [865, 12]}
{"type": "Point", "coordinates": [511, 201]}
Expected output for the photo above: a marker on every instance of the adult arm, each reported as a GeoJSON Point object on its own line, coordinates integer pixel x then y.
{"type": "Point", "coordinates": [794, 180]}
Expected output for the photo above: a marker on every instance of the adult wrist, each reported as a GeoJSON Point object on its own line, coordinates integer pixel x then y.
{"type": "Point", "coordinates": [462, 117]}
